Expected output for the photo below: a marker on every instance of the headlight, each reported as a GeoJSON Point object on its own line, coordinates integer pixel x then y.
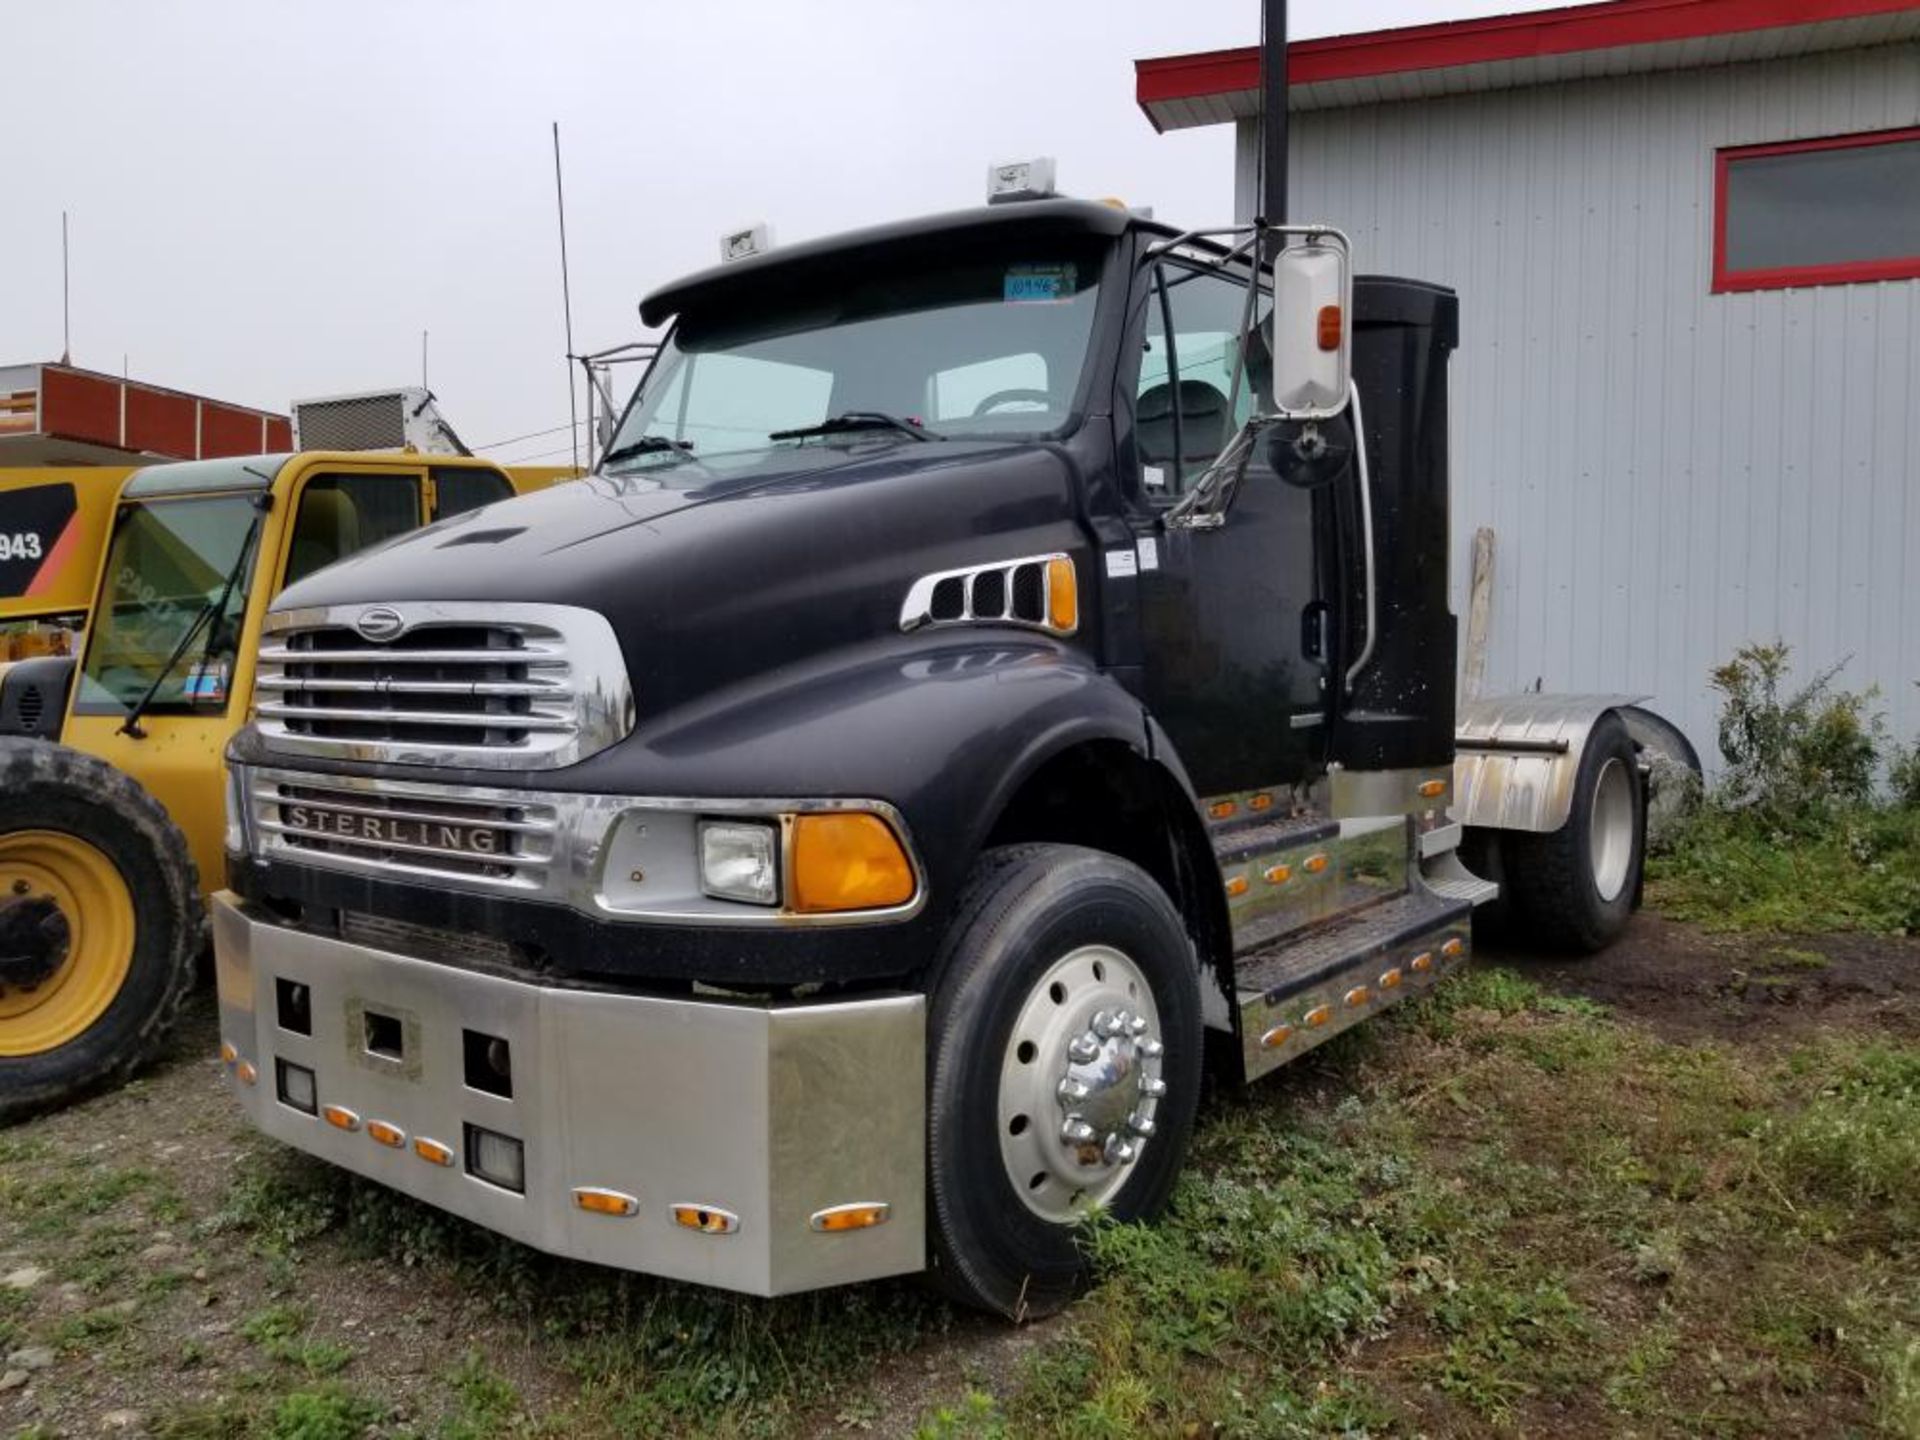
{"type": "Point", "coordinates": [738, 861]}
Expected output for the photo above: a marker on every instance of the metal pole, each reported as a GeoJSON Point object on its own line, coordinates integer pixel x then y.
{"type": "Point", "coordinates": [423, 361]}
{"type": "Point", "coordinates": [1273, 112]}
{"type": "Point", "coordinates": [566, 297]}
{"type": "Point", "coordinates": [66, 309]}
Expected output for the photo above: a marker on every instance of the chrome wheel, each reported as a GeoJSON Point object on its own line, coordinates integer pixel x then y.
{"type": "Point", "coordinates": [1610, 836]}
{"type": "Point", "coordinates": [1079, 1083]}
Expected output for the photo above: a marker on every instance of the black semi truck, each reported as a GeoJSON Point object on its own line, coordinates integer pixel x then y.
{"type": "Point", "coordinates": [1001, 666]}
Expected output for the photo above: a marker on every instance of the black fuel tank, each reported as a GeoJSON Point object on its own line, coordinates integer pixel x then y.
{"type": "Point", "coordinates": [1400, 711]}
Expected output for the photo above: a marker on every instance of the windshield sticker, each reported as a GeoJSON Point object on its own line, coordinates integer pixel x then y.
{"type": "Point", "coordinates": [1038, 284]}
{"type": "Point", "coordinates": [206, 681]}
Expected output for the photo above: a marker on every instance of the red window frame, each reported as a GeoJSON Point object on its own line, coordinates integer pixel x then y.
{"type": "Point", "coordinates": [1905, 267]}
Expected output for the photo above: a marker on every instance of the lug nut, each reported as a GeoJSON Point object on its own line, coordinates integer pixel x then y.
{"type": "Point", "coordinates": [1152, 1086]}
{"type": "Point", "coordinates": [1119, 1151]}
{"type": "Point", "coordinates": [1142, 1125]}
{"type": "Point", "coordinates": [1071, 1089]}
{"type": "Point", "coordinates": [1084, 1050]}
{"type": "Point", "coordinates": [1102, 1024]}
{"type": "Point", "coordinates": [1150, 1048]}
{"type": "Point", "coordinates": [1077, 1131]}
{"type": "Point", "coordinates": [1137, 1025]}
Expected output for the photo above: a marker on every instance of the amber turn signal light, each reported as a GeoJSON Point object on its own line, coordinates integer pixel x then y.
{"type": "Point", "coordinates": [1063, 596]}
{"type": "Point", "coordinates": [848, 860]}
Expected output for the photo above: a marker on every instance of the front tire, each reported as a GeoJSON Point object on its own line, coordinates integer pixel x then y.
{"type": "Point", "coordinates": [99, 925]}
{"type": "Point", "coordinates": [1064, 1070]}
{"type": "Point", "coordinates": [1576, 888]}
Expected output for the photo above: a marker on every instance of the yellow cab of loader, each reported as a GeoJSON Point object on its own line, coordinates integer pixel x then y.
{"type": "Point", "coordinates": [112, 792]}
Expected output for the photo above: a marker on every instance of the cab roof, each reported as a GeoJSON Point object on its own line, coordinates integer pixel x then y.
{"type": "Point", "coordinates": [254, 473]}
{"type": "Point", "coordinates": [814, 262]}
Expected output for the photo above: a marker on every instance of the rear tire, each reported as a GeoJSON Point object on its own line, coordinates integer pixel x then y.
{"type": "Point", "coordinates": [1054, 951]}
{"type": "Point", "coordinates": [100, 964]}
{"type": "Point", "coordinates": [1576, 888]}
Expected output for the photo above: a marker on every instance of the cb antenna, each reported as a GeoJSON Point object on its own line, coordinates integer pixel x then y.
{"type": "Point", "coordinates": [566, 297]}
{"type": "Point", "coordinates": [1273, 114]}
{"type": "Point", "coordinates": [66, 308]}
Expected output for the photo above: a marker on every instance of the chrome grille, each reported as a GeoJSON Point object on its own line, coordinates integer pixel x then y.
{"type": "Point", "coordinates": [506, 843]}
{"type": "Point", "coordinates": [486, 686]}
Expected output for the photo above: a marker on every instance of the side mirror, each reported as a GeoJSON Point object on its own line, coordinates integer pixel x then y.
{"type": "Point", "coordinates": [1312, 334]}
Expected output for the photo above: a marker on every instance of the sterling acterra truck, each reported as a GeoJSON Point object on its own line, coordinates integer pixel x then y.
{"type": "Point", "coordinates": [1002, 666]}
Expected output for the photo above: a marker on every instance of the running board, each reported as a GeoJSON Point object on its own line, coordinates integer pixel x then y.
{"type": "Point", "coordinates": [1297, 995]}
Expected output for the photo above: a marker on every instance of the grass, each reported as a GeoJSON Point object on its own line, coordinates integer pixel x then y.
{"type": "Point", "coordinates": [1592, 1230]}
{"type": "Point", "coordinates": [1856, 869]}
{"type": "Point", "coordinates": [1496, 1211]}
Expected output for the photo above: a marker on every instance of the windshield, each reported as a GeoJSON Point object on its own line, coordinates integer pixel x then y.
{"type": "Point", "coordinates": [987, 347]}
{"type": "Point", "coordinates": [169, 561]}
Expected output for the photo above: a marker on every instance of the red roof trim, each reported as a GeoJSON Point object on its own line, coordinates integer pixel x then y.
{"type": "Point", "coordinates": [1564, 31]}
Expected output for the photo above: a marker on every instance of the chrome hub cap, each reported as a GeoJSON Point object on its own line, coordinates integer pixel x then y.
{"type": "Point", "coordinates": [1079, 1083]}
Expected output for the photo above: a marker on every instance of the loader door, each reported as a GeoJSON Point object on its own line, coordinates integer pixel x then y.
{"type": "Point", "coordinates": [1236, 623]}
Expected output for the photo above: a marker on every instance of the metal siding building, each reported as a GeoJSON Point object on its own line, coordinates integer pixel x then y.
{"type": "Point", "coordinates": [1670, 472]}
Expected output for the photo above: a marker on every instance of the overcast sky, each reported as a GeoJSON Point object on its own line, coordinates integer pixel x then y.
{"type": "Point", "coordinates": [271, 200]}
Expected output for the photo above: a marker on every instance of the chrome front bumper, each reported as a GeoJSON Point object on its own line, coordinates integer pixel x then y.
{"type": "Point", "coordinates": [768, 1113]}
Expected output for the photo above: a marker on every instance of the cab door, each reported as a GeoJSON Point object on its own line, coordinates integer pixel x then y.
{"type": "Point", "coordinates": [1235, 618]}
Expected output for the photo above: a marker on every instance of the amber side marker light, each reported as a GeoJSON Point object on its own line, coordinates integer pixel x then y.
{"type": "Point", "coordinates": [1432, 789]}
{"type": "Point", "coordinates": [1063, 596]}
{"type": "Point", "coordinates": [1422, 962]}
{"type": "Point", "coordinates": [432, 1151]}
{"type": "Point", "coordinates": [597, 1201]}
{"type": "Point", "coordinates": [848, 860]}
{"type": "Point", "coordinates": [1222, 809]}
{"type": "Point", "coordinates": [339, 1117]}
{"type": "Point", "coordinates": [862, 1216]}
{"type": "Point", "coordinates": [227, 1053]}
{"type": "Point", "coordinates": [245, 1070]}
{"type": "Point", "coordinates": [1262, 801]}
{"type": "Point", "coordinates": [1452, 948]}
{"type": "Point", "coordinates": [1237, 885]}
{"type": "Point", "coordinates": [1276, 1037]}
{"type": "Point", "coordinates": [1315, 864]}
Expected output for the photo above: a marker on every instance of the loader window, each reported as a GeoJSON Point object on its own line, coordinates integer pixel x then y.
{"type": "Point", "coordinates": [170, 561]}
{"type": "Point", "coordinates": [340, 514]}
{"type": "Point", "coordinates": [457, 491]}
{"type": "Point", "coordinates": [1206, 307]}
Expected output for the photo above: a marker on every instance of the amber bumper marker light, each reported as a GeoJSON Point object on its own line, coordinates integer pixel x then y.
{"type": "Point", "coordinates": [707, 1219]}
{"type": "Point", "coordinates": [432, 1151]}
{"type": "Point", "coordinates": [860, 1216]}
{"type": "Point", "coordinates": [848, 860]}
{"type": "Point", "coordinates": [391, 1136]}
{"type": "Point", "coordinates": [596, 1201]}
{"type": "Point", "coordinates": [340, 1117]}
{"type": "Point", "coordinates": [1452, 948]}
{"type": "Point", "coordinates": [246, 1071]}
{"type": "Point", "coordinates": [227, 1053]}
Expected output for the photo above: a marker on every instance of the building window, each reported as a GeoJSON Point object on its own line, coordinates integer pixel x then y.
{"type": "Point", "coordinates": [1818, 212]}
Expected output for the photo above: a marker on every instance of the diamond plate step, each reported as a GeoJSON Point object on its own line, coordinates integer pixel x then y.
{"type": "Point", "coordinates": [1296, 995]}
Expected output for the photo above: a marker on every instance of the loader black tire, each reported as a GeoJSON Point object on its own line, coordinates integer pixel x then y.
{"type": "Point", "coordinates": [1025, 908]}
{"type": "Point", "coordinates": [72, 825]}
{"type": "Point", "coordinates": [1575, 889]}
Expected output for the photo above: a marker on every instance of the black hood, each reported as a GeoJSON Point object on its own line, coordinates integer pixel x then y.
{"type": "Point", "coordinates": [707, 583]}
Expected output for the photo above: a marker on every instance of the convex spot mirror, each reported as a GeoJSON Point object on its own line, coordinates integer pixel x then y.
{"type": "Point", "coordinates": [1312, 325]}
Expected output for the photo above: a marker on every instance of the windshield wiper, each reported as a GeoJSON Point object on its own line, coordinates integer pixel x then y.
{"type": "Point", "coordinates": [646, 445]}
{"type": "Point", "coordinates": [209, 613]}
{"type": "Point", "coordinates": [852, 420]}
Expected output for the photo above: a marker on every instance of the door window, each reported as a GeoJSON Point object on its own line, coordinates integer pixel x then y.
{"type": "Point", "coordinates": [340, 514]}
{"type": "Point", "coordinates": [1206, 309]}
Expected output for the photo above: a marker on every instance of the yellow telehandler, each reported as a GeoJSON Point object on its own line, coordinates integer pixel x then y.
{"type": "Point", "coordinates": [111, 784]}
